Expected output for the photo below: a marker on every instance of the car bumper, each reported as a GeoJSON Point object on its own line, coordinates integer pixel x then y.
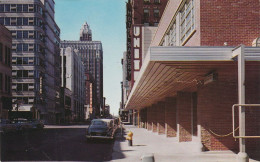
{"type": "Point", "coordinates": [98, 137]}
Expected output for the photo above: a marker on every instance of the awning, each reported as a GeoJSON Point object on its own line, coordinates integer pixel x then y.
{"type": "Point", "coordinates": [167, 70]}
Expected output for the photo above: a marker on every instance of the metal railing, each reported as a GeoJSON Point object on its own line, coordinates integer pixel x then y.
{"type": "Point", "coordinates": [233, 118]}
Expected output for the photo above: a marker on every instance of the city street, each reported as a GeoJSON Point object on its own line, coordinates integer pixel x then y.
{"type": "Point", "coordinates": [58, 143]}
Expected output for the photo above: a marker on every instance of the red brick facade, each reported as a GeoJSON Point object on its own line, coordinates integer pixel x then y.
{"type": "Point", "coordinates": [170, 117]}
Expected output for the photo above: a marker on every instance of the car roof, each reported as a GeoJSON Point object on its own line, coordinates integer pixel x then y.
{"type": "Point", "coordinates": [104, 120]}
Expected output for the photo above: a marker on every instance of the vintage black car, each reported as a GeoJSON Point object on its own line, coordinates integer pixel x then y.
{"type": "Point", "coordinates": [101, 128]}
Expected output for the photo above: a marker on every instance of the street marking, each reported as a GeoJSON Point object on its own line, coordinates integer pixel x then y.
{"type": "Point", "coordinates": [46, 155]}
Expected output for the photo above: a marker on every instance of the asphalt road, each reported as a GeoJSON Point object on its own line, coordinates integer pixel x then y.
{"type": "Point", "coordinates": [54, 144]}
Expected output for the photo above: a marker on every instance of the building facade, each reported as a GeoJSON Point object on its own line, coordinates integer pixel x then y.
{"type": "Point", "coordinates": [35, 61]}
{"type": "Point", "coordinates": [73, 82]}
{"type": "Point", "coordinates": [91, 53]}
{"type": "Point", "coordinates": [189, 79]}
{"type": "Point", "coordinates": [5, 72]}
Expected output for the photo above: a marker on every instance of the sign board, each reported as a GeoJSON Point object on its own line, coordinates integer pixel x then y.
{"type": "Point", "coordinates": [128, 40]}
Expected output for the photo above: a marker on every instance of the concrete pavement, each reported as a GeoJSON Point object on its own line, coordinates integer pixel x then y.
{"type": "Point", "coordinates": [164, 149]}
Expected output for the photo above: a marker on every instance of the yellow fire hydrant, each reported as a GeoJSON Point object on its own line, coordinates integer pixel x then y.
{"type": "Point", "coordinates": [130, 138]}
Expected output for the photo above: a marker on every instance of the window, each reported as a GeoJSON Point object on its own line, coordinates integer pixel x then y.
{"type": "Point", "coordinates": [19, 34]}
{"type": "Point", "coordinates": [157, 1]}
{"type": "Point", "coordinates": [25, 34]}
{"type": "Point", "coordinates": [7, 56]}
{"type": "Point", "coordinates": [2, 7]}
{"type": "Point", "coordinates": [146, 13]}
{"type": "Point", "coordinates": [19, 21]}
{"type": "Point", "coordinates": [146, 1]}
{"type": "Point", "coordinates": [19, 48]}
{"type": "Point", "coordinates": [31, 47]}
{"type": "Point", "coordinates": [2, 20]}
{"type": "Point", "coordinates": [25, 47]}
{"type": "Point", "coordinates": [1, 81]}
{"type": "Point", "coordinates": [7, 8]}
{"type": "Point", "coordinates": [25, 60]}
{"type": "Point", "coordinates": [7, 21]}
{"type": "Point", "coordinates": [31, 21]}
{"type": "Point", "coordinates": [1, 52]}
{"type": "Point", "coordinates": [25, 21]}
{"type": "Point", "coordinates": [187, 20]}
{"type": "Point", "coordinates": [13, 21]}
{"type": "Point", "coordinates": [19, 60]}
{"type": "Point", "coordinates": [19, 7]}
{"type": "Point", "coordinates": [156, 13]}
{"type": "Point", "coordinates": [13, 7]}
{"type": "Point", "coordinates": [172, 40]}
{"type": "Point", "coordinates": [31, 8]}
{"type": "Point", "coordinates": [31, 34]}
{"type": "Point", "coordinates": [25, 8]}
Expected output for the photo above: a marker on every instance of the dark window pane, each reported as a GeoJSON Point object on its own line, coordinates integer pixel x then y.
{"type": "Point", "coordinates": [13, 7]}
{"type": "Point", "coordinates": [7, 8]}
{"type": "Point", "coordinates": [25, 87]}
{"type": "Point", "coordinates": [19, 7]}
{"type": "Point", "coordinates": [25, 60]}
{"type": "Point", "coordinates": [25, 8]}
{"type": "Point", "coordinates": [19, 47]}
{"type": "Point", "coordinates": [19, 34]}
{"type": "Point", "coordinates": [7, 21]}
{"type": "Point", "coordinates": [1, 52]}
{"type": "Point", "coordinates": [25, 100]}
{"type": "Point", "coordinates": [2, 8]}
{"type": "Point", "coordinates": [25, 47]}
{"type": "Point", "coordinates": [25, 34]}
{"type": "Point", "coordinates": [2, 20]}
{"type": "Point", "coordinates": [19, 60]}
{"type": "Point", "coordinates": [19, 73]}
{"type": "Point", "coordinates": [19, 21]}
{"type": "Point", "coordinates": [1, 81]}
{"type": "Point", "coordinates": [19, 87]}
{"type": "Point", "coordinates": [25, 21]}
{"type": "Point", "coordinates": [25, 73]}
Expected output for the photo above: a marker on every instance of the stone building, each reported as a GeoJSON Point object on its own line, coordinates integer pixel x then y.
{"type": "Point", "coordinates": [73, 81]}
{"type": "Point", "coordinates": [35, 61]}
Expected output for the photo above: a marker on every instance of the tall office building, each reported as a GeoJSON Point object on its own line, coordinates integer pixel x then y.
{"type": "Point", "coordinates": [35, 61]}
{"type": "Point", "coordinates": [91, 53]}
{"type": "Point", "coordinates": [73, 83]}
{"type": "Point", "coordinates": [5, 72]}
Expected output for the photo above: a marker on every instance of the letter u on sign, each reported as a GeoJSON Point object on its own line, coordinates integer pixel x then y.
{"type": "Point", "coordinates": [136, 31]}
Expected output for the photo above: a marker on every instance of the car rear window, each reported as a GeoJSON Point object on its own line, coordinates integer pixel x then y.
{"type": "Point", "coordinates": [98, 123]}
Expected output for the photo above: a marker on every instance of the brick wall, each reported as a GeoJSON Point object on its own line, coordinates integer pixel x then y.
{"type": "Point", "coordinates": [215, 102]}
{"type": "Point", "coordinates": [170, 117]}
{"type": "Point", "coordinates": [161, 118]}
{"type": "Point", "coordinates": [235, 22]}
{"type": "Point", "coordinates": [184, 100]}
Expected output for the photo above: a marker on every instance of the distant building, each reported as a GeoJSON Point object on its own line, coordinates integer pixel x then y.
{"type": "Point", "coordinates": [91, 53]}
{"type": "Point", "coordinates": [35, 61]}
{"type": "Point", "coordinates": [73, 82]}
{"type": "Point", "coordinates": [5, 72]}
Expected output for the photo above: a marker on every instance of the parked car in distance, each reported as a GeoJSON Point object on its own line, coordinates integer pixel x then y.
{"type": "Point", "coordinates": [6, 126]}
{"type": "Point", "coordinates": [37, 124]}
{"type": "Point", "coordinates": [101, 129]}
{"type": "Point", "coordinates": [22, 124]}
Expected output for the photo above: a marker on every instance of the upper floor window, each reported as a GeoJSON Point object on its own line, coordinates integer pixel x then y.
{"type": "Point", "coordinates": [146, 1]}
{"type": "Point", "coordinates": [187, 20]}
{"type": "Point", "coordinates": [21, 8]}
{"type": "Point", "coordinates": [156, 1]}
{"type": "Point", "coordinates": [156, 13]}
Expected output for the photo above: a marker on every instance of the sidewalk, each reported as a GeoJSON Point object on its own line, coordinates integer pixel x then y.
{"type": "Point", "coordinates": [164, 149]}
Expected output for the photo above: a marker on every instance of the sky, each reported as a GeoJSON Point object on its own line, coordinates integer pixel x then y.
{"type": "Point", "coordinates": [106, 19]}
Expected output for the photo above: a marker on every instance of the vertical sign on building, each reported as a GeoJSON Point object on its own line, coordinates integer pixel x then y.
{"type": "Point", "coordinates": [136, 50]}
{"type": "Point", "coordinates": [128, 41]}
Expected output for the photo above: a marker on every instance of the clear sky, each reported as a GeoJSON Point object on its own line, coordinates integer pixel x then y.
{"type": "Point", "coordinates": [107, 22]}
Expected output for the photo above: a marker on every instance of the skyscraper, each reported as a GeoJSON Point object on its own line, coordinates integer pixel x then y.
{"type": "Point", "coordinates": [35, 61]}
{"type": "Point", "coordinates": [91, 53]}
